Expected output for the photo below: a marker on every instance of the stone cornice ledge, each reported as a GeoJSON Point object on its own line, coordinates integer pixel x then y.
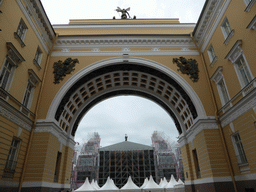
{"type": "Point", "coordinates": [244, 105]}
{"type": "Point", "coordinates": [54, 129]}
{"type": "Point", "coordinates": [14, 115]}
{"type": "Point", "coordinates": [200, 125]}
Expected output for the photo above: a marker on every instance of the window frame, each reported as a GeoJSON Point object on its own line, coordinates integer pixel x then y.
{"type": "Point", "coordinates": [226, 29]}
{"type": "Point", "coordinates": [234, 54]}
{"type": "Point", "coordinates": [212, 55]}
{"type": "Point", "coordinates": [248, 4]}
{"type": "Point", "coordinates": [10, 76]}
{"type": "Point", "coordinates": [21, 32]}
{"type": "Point", "coordinates": [12, 167]}
{"type": "Point", "coordinates": [218, 78]}
{"type": "Point", "coordinates": [247, 72]}
{"type": "Point", "coordinates": [28, 95]}
{"type": "Point", "coordinates": [239, 150]}
{"type": "Point", "coordinates": [38, 57]}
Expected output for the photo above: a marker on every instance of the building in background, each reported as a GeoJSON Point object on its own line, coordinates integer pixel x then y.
{"type": "Point", "coordinates": [124, 159]}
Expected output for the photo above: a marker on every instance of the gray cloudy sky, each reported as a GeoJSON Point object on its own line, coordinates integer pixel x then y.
{"type": "Point", "coordinates": [135, 116]}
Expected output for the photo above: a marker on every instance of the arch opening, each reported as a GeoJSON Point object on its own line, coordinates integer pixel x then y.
{"type": "Point", "coordinates": [125, 79]}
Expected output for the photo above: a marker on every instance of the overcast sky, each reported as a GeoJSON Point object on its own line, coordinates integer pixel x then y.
{"type": "Point", "coordinates": [135, 116]}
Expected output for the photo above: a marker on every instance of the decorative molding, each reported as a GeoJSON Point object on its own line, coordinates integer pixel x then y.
{"type": "Point", "coordinates": [14, 54]}
{"type": "Point", "coordinates": [209, 33]}
{"type": "Point", "coordinates": [245, 104]}
{"type": "Point", "coordinates": [14, 115]}
{"type": "Point", "coordinates": [213, 61]}
{"type": "Point", "coordinates": [33, 77]}
{"type": "Point", "coordinates": [198, 127]}
{"type": "Point", "coordinates": [128, 41]}
{"type": "Point", "coordinates": [249, 6]}
{"type": "Point", "coordinates": [247, 177]}
{"type": "Point", "coordinates": [217, 75]}
{"type": "Point", "coordinates": [121, 53]}
{"type": "Point", "coordinates": [231, 34]}
{"type": "Point", "coordinates": [235, 51]}
{"type": "Point", "coordinates": [209, 13]}
{"type": "Point", "coordinates": [44, 126]}
{"type": "Point", "coordinates": [252, 24]}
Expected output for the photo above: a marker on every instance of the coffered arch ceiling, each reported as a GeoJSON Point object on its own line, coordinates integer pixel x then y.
{"type": "Point", "coordinates": [121, 76]}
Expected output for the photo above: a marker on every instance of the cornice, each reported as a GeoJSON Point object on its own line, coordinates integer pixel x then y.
{"type": "Point", "coordinates": [198, 127]}
{"type": "Point", "coordinates": [183, 43]}
{"type": "Point", "coordinates": [54, 129]}
{"type": "Point", "coordinates": [127, 26]}
{"type": "Point", "coordinates": [171, 41]}
{"type": "Point", "coordinates": [14, 115]}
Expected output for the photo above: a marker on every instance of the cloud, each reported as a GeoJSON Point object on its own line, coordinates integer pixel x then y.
{"type": "Point", "coordinates": [135, 116]}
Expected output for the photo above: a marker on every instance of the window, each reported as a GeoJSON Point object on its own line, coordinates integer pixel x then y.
{"type": "Point", "coordinates": [38, 56]}
{"type": "Point", "coordinates": [28, 94]}
{"type": "Point", "coordinates": [12, 157]}
{"type": "Point", "coordinates": [57, 167]}
{"type": "Point", "coordinates": [1, 1]}
{"type": "Point", "coordinates": [221, 85]}
{"type": "Point", "coordinates": [239, 149]}
{"type": "Point", "coordinates": [21, 32]}
{"type": "Point", "coordinates": [212, 55]}
{"type": "Point", "coordinates": [226, 30]}
{"type": "Point", "coordinates": [12, 59]}
{"type": "Point", "coordinates": [237, 57]}
{"type": "Point", "coordinates": [243, 71]}
{"type": "Point", "coordinates": [196, 163]}
{"type": "Point", "coordinates": [248, 4]}
{"type": "Point", "coordinates": [223, 91]}
{"type": "Point", "coordinates": [32, 82]}
{"type": "Point", "coordinates": [6, 74]}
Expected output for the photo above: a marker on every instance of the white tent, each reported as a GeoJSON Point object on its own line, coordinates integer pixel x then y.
{"type": "Point", "coordinates": [96, 184]}
{"type": "Point", "coordinates": [130, 186]}
{"type": "Point", "coordinates": [173, 185]}
{"type": "Point", "coordinates": [93, 185]}
{"type": "Point", "coordinates": [163, 182]}
{"type": "Point", "coordinates": [145, 183]}
{"type": "Point", "coordinates": [109, 186]}
{"type": "Point", "coordinates": [86, 187]}
{"type": "Point", "coordinates": [152, 186]}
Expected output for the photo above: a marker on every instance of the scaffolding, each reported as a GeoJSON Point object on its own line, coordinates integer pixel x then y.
{"type": "Point", "coordinates": [87, 164]}
{"type": "Point", "coordinates": [119, 165]}
{"type": "Point", "coordinates": [166, 161]}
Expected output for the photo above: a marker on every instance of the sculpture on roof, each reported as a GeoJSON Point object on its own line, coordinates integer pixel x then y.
{"type": "Point", "coordinates": [124, 12]}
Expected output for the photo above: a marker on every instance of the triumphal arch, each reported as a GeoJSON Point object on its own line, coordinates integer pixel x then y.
{"type": "Point", "coordinates": [202, 74]}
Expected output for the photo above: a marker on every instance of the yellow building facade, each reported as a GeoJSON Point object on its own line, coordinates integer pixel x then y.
{"type": "Point", "coordinates": [214, 115]}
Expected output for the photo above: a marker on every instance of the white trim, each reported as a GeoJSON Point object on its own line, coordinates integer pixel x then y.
{"type": "Point", "coordinates": [248, 5]}
{"type": "Point", "coordinates": [244, 105]}
{"type": "Point", "coordinates": [44, 126]}
{"type": "Point", "coordinates": [120, 53]}
{"type": "Point", "coordinates": [212, 9]}
{"type": "Point", "coordinates": [209, 180]}
{"type": "Point", "coordinates": [45, 184]}
{"type": "Point", "coordinates": [124, 42]}
{"type": "Point", "coordinates": [12, 114]}
{"type": "Point", "coordinates": [37, 33]}
{"type": "Point", "coordinates": [219, 16]}
{"type": "Point", "coordinates": [246, 177]}
{"type": "Point", "coordinates": [252, 24]}
{"type": "Point", "coordinates": [198, 127]}
{"type": "Point", "coordinates": [194, 97]}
